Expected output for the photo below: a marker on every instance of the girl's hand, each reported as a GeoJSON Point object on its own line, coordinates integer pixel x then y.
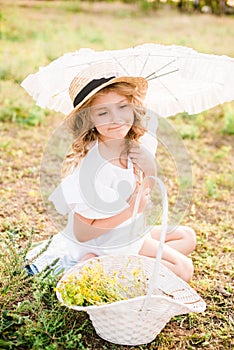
{"type": "Point", "coordinates": [143, 199]}
{"type": "Point", "coordinates": [142, 159]}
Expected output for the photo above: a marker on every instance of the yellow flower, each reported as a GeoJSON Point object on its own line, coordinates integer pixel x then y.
{"type": "Point", "coordinates": [93, 286]}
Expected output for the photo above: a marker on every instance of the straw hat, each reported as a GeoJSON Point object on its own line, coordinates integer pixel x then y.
{"type": "Point", "coordinates": [96, 77]}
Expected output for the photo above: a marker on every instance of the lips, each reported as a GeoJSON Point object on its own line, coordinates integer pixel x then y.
{"type": "Point", "coordinates": [116, 128]}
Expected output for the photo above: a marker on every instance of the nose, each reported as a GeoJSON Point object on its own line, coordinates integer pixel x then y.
{"type": "Point", "coordinates": [115, 115]}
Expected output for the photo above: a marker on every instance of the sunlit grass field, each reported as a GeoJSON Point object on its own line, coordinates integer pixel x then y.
{"type": "Point", "coordinates": [32, 34]}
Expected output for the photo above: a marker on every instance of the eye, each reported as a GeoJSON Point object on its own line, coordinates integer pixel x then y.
{"type": "Point", "coordinates": [101, 114]}
{"type": "Point", "coordinates": [123, 106]}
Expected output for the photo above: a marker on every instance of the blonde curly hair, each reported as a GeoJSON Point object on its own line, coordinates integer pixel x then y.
{"type": "Point", "coordinates": [81, 126]}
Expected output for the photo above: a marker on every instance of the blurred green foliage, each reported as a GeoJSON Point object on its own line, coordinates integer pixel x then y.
{"type": "Point", "coordinates": [228, 127]}
{"type": "Point", "coordinates": [19, 114]}
{"type": "Point", "coordinates": [218, 7]}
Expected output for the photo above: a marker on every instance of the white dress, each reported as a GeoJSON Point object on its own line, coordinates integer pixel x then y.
{"type": "Point", "coordinates": [97, 189]}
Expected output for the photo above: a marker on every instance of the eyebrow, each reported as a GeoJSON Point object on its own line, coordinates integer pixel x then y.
{"type": "Point", "coordinates": [105, 105]}
{"type": "Point", "coordinates": [98, 108]}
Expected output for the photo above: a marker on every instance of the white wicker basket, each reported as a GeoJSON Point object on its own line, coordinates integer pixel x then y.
{"type": "Point", "coordinates": [125, 322]}
{"type": "Point", "coordinates": [138, 320]}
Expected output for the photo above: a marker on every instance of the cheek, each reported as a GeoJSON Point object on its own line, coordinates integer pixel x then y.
{"type": "Point", "coordinates": [128, 117]}
{"type": "Point", "coordinates": [99, 124]}
{"type": "Point", "coordinates": [102, 129]}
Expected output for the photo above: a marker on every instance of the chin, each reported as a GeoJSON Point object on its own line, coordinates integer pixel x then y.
{"type": "Point", "coordinates": [119, 135]}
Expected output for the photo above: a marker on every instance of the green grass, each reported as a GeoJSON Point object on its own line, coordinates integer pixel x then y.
{"type": "Point", "coordinates": [32, 34]}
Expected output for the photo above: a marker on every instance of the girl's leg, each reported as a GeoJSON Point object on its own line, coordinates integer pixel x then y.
{"type": "Point", "coordinates": [182, 238]}
{"type": "Point", "coordinates": [88, 256]}
{"type": "Point", "coordinates": [180, 264]}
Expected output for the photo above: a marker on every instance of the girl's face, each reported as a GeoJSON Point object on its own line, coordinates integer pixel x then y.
{"type": "Point", "coordinates": [112, 115]}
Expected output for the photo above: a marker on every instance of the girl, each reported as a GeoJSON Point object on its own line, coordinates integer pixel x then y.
{"type": "Point", "coordinates": [110, 157]}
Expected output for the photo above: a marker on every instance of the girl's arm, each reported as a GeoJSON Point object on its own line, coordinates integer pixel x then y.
{"type": "Point", "coordinates": [86, 229]}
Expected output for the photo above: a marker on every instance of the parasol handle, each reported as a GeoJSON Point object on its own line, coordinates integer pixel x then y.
{"type": "Point", "coordinates": [155, 274]}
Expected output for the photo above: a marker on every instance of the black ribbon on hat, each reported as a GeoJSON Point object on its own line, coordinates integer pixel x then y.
{"type": "Point", "coordinates": [89, 88]}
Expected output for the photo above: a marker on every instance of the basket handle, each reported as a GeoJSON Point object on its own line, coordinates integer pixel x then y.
{"type": "Point", "coordinates": [155, 273]}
